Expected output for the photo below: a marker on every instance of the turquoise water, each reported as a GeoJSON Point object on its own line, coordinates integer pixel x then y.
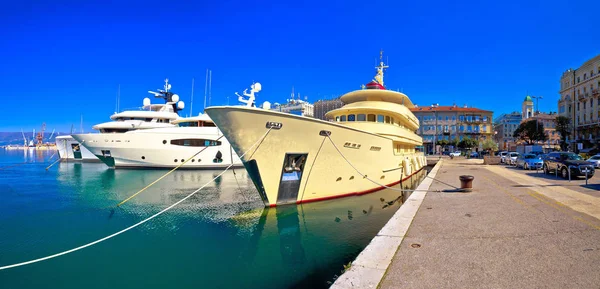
{"type": "Point", "coordinates": [222, 237]}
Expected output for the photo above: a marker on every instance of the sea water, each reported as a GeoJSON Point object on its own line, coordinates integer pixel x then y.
{"type": "Point", "coordinates": [221, 237]}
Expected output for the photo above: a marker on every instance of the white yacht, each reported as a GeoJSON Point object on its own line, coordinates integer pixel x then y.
{"type": "Point", "coordinates": [69, 149]}
{"type": "Point", "coordinates": [165, 147]}
{"type": "Point", "coordinates": [148, 117]}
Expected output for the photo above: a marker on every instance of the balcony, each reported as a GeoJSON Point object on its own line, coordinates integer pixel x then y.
{"type": "Point", "coordinates": [595, 92]}
{"type": "Point", "coordinates": [580, 96]}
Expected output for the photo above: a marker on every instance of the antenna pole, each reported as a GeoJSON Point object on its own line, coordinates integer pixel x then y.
{"type": "Point", "coordinates": [209, 86]}
{"type": "Point", "coordinates": [81, 124]}
{"type": "Point", "coordinates": [192, 98]}
{"type": "Point", "coordinates": [205, 88]}
{"type": "Point", "coordinates": [118, 97]}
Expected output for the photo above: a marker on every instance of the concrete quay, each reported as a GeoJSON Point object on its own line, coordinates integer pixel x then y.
{"type": "Point", "coordinates": [516, 229]}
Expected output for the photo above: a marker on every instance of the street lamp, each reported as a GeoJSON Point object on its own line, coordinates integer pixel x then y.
{"type": "Point", "coordinates": [537, 103]}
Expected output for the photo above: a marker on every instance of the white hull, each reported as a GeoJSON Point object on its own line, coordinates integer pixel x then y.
{"type": "Point", "coordinates": [325, 173]}
{"type": "Point", "coordinates": [155, 148]}
{"type": "Point", "coordinates": [70, 150]}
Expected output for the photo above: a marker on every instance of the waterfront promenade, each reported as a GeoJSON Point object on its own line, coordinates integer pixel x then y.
{"type": "Point", "coordinates": [515, 230]}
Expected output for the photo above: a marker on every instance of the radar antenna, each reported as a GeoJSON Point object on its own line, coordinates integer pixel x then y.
{"type": "Point", "coordinates": [380, 69]}
{"type": "Point", "coordinates": [255, 87]}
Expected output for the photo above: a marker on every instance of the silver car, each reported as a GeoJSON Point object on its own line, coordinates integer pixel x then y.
{"type": "Point", "coordinates": [595, 160]}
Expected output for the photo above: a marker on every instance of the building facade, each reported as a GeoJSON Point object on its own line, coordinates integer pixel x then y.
{"type": "Point", "coordinates": [321, 107]}
{"type": "Point", "coordinates": [452, 123]}
{"type": "Point", "coordinates": [504, 128]}
{"type": "Point", "coordinates": [579, 95]}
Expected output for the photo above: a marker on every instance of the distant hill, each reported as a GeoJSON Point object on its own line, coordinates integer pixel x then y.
{"type": "Point", "coordinates": [16, 138]}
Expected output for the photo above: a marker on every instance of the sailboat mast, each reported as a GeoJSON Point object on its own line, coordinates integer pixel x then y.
{"type": "Point", "coordinates": [209, 86]}
{"type": "Point", "coordinates": [192, 98]}
{"type": "Point", "coordinates": [205, 88]}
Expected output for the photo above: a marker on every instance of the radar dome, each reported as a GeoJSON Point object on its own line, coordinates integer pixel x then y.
{"type": "Point", "coordinates": [181, 105]}
{"type": "Point", "coordinates": [266, 105]}
{"type": "Point", "coordinates": [257, 87]}
{"type": "Point", "coordinates": [175, 98]}
{"type": "Point", "coordinates": [146, 101]}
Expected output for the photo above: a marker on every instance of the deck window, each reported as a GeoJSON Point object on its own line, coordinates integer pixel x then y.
{"type": "Point", "coordinates": [337, 118]}
{"type": "Point", "coordinates": [351, 117]}
{"type": "Point", "coordinates": [343, 118]}
{"type": "Point", "coordinates": [361, 117]}
{"type": "Point", "coordinates": [195, 142]}
{"type": "Point", "coordinates": [387, 119]}
{"type": "Point", "coordinates": [380, 118]}
{"type": "Point", "coordinates": [188, 124]}
{"type": "Point", "coordinates": [371, 117]}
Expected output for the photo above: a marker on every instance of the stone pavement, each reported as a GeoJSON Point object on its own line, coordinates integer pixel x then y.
{"type": "Point", "coordinates": [513, 231]}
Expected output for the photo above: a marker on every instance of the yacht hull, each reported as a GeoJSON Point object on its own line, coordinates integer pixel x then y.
{"type": "Point", "coordinates": [156, 149]}
{"type": "Point", "coordinates": [70, 150]}
{"type": "Point", "coordinates": [320, 172]}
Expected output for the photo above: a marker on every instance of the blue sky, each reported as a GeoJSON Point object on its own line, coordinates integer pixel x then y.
{"type": "Point", "coordinates": [64, 59]}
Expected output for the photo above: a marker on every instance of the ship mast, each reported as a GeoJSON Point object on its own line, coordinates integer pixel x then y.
{"type": "Point", "coordinates": [380, 69]}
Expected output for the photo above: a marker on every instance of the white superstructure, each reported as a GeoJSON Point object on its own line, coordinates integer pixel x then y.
{"type": "Point", "coordinates": [149, 116]}
{"type": "Point", "coordinates": [195, 137]}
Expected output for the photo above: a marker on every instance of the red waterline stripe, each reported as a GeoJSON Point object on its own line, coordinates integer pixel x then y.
{"type": "Point", "coordinates": [351, 194]}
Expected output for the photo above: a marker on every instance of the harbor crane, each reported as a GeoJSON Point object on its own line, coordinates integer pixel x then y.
{"type": "Point", "coordinates": [40, 135]}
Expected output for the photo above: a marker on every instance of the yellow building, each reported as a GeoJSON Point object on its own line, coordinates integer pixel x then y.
{"type": "Point", "coordinates": [452, 122]}
{"type": "Point", "coordinates": [579, 93]}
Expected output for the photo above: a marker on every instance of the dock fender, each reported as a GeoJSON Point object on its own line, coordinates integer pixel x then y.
{"type": "Point", "coordinates": [407, 167]}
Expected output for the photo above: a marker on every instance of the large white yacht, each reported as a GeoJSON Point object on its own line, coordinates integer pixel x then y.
{"type": "Point", "coordinates": [69, 149]}
{"type": "Point", "coordinates": [165, 147]}
{"type": "Point", "coordinates": [147, 117]}
{"type": "Point", "coordinates": [366, 145]}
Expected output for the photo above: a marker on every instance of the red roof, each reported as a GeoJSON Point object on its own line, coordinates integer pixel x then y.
{"type": "Point", "coordinates": [374, 85]}
{"type": "Point", "coordinates": [447, 108]}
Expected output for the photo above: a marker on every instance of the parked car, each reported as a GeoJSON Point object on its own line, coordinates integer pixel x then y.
{"type": "Point", "coordinates": [503, 156]}
{"type": "Point", "coordinates": [511, 158]}
{"type": "Point", "coordinates": [595, 160]}
{"type": "Point", "coordinates": [455, 154]}
{"type": "Point", "coordinates": [537, 153]}
{"type": "Point", "coordinates": [474, 155]}
{"type": "Point", "coordinates": [529, 161]}
{"type": "Point", "coordinates": [563, 162]}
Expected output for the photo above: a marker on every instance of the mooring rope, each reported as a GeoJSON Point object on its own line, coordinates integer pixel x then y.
{"type": "Point", "coordinates": [168, 173]}
{"type": "Point", "coordinates": [373, 181]}
{"type": "Point", "coordinates": [134, 225]}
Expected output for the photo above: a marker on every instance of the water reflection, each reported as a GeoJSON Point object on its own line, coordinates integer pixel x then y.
{"type": "Point", "coordinates": [223, 230]}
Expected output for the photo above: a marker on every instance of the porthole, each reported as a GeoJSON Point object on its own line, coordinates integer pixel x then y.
{"type": "Point", "coordinates": [143, 157]}
{"type": "Point", "coordinates": [193, 160]}
{"type": "Point", "coordinates": [182, 160]}
{"type": "Point", "coordinates": [164, 142]}
{"type": "Point", "coordinates": [338, 179]}
{"type": "Point", "coordinates": [199, 160]}
{"type": "Point", "coordinates": [175, 160]}
{"type": "Point", "coordinates": [351, 177]}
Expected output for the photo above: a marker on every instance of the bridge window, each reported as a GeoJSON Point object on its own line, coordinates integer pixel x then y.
{"type": "Point", "coordinates": [380, 118]}
{"type": "Point", "coordinates": [194, 142]}
{"type": "Point", "coordinates": [371, 117]}
{"type": "Point", "coordinates": [361, 117]}
{"type": "Point", "coordinates": [188, 124]}
{"type": "Point", "coordinates": [351, 117]}
{"type": "Point", "coordinates": [387, 119]}
{"type": "Point", "coordinates": [343, 118]}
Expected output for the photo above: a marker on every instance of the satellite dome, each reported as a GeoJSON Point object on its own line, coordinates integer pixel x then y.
{"type": "Point", "coordinates": [146, 101]}
{"type": "Point", "coordinates": [175, 98]}
{"type": "Point", "coordinates": [181, 105]}
{"type": "Point", "coordinates": [266, 105]}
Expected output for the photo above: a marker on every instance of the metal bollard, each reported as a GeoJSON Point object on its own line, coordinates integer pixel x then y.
{"type": "Point", "coordinates": [586, 176]}
{"type": "Point", "coordinates": [466, 183]}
